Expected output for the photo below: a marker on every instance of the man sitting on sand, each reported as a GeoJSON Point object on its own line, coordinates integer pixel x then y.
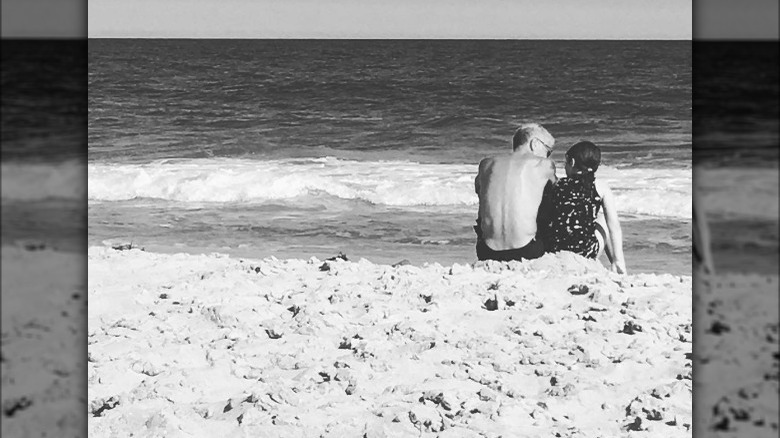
{"type": "Point", "coordinates": [510, 191]}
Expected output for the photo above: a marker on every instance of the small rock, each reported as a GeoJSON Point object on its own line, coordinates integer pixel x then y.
{"type": "Point", "coordinates": [425, 417]}
{"type": "Point", "coordinates": [272, 333]}
{"type": "Point", "coordinates": [35, 246]}
{"type": "Point", "coordinates": [635, 426]}
{"type": "Point", "coordinates": [631, 328]}
{"type": "Point", "coordinates": [491, 304]}
{"type": "Point", "coordinates": [654, 415]}
{"type": "Point", "coordinates": [351, 387]}
{"type": "Point", "coordinates": [486, 394]}
{"type": "Point", "coordinates": [340, 256]}
{"type": "Point", "coordinates": [98, 407]}
{"type": "Point", "coordinates": [719, 327]}
{"type": "Point", "coordinates": [578, 289]}
{"type": "Point", "coordinates": [403, 262]}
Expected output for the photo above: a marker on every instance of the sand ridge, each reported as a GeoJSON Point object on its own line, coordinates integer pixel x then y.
{"type": "Point", "coordinates": [208, 345]}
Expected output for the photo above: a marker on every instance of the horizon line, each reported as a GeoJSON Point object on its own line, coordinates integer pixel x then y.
{"type": "Point", "coordinates": [305, 38]}
{"type": "Point", "coordinates": [83, 38]}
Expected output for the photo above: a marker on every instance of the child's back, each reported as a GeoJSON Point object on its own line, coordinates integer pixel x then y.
{"type": "Point", "coordinates": [571, 226]}
{"type": "Point", "coordinates": [570, 210]}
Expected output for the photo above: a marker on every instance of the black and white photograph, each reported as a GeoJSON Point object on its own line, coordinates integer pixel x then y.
{"type": "Point", "coordinates": [44, 220]}
{"type": "Point", "coordinates": [380, 219]}
{"type": "Point", "coordinates": [390, 219]}
{"type": "Point", "coordinates": [735, 156]}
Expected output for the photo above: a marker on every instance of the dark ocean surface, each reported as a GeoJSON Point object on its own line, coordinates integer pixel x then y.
{"type": "Point", "coordinates": [735, 131]}
{"type": "Point", "coordinates": [44, 144]}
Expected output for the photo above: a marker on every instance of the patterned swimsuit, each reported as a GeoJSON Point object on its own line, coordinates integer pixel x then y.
{"type": "Point", "coordinates": [571, 225]}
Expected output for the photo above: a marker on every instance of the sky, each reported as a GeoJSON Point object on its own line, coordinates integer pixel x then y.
{"type": "Point", "coordinates": [563, 19]}
{"type": "Point", "coordinates": [736, 19]}
{"type": "Point", "coordinates": [44, 18]}
{"type": "Point", "coordinates": [557, 19]}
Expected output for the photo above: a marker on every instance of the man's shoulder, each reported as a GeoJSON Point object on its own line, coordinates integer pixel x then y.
{"type": "Point", "coordinates": [490, 161]}
{"type": "Point", "coordinates": [532, 161]}
{"type": "Point", "coordinates": [485, 161]}
{"type": "Point", "coordinates": [519, 162]}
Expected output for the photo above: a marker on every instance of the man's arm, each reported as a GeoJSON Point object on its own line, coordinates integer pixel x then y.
{"type": "Point", "coordinates": [479, 175]}
{"type": "Point", "coordinates": [546, 209]}
{"type": "Point", "coordinates": [478, 226]}
{"type": "Point", "coordinates": [551, 172]}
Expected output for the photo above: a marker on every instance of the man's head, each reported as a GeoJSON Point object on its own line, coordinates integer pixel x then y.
{"type": "Point", "coordinates": [532, 137]}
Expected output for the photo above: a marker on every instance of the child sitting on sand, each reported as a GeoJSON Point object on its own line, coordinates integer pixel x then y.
{"type": "Point", "coordinates": [572, 222]}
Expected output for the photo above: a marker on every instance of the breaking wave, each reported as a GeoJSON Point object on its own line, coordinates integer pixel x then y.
{"type": "Point", "coordinates": [29, 182]}
{"type": "Point", "coordinates": [645, 192]}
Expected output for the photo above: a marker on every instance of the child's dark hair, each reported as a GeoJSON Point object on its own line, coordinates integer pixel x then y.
{"type": "Point", "coordinates": [586, 157]}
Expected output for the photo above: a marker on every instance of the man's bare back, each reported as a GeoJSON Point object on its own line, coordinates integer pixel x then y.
{"type": "Point", "coordinates": [510, 189]}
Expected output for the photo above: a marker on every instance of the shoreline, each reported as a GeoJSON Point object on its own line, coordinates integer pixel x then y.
{"type": "Point", "coordinates": [72, 247]}
{"type": "Point", "coordinates": [415, 254]}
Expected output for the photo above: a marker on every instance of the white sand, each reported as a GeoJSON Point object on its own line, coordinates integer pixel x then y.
{"type": "Point", "coordinates": [736, 358]}
{"type": "Point", "coordinates": [43, 303]}
{"type": "Point", "coordinates": [207, 345]}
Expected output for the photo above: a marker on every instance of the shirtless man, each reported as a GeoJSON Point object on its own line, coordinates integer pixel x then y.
{"type": "Point", "coordinates": [510, 191]}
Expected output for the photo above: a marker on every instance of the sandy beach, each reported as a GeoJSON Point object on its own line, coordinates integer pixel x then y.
{"type": "Point", "coordinates": [209, 345]}
{"type": "Point", "coordinates": [736, 355]}
{"type": "Point", "coordinates": [43, 367]}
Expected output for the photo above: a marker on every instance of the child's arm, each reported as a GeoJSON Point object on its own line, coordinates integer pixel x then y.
{"type": "Point", "coordinates": [613, 225]}
{"type": "Point", "coordinates": [478, 226]}
{"type": "Point", "coordinates": [701, 239]}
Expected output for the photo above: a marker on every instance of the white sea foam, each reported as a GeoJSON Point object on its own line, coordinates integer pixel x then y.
{"type": "Point", "coordinates": [27, 182]}
{"type": "Point", "coordinates": [739, 193]}
{"type": "Point", "coordinates": [646, 192]}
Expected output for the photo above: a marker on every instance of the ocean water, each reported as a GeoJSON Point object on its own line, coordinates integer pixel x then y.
{"type": "Point", "coordinates": [736, 131]}
{"type": "Point", "coordinates": [308, 148]}
{"type": "Point", "coordinates": [44, 112]}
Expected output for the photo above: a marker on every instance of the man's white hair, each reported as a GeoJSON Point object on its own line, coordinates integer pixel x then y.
{"type": "Point", "coordinates": [528, 131]}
